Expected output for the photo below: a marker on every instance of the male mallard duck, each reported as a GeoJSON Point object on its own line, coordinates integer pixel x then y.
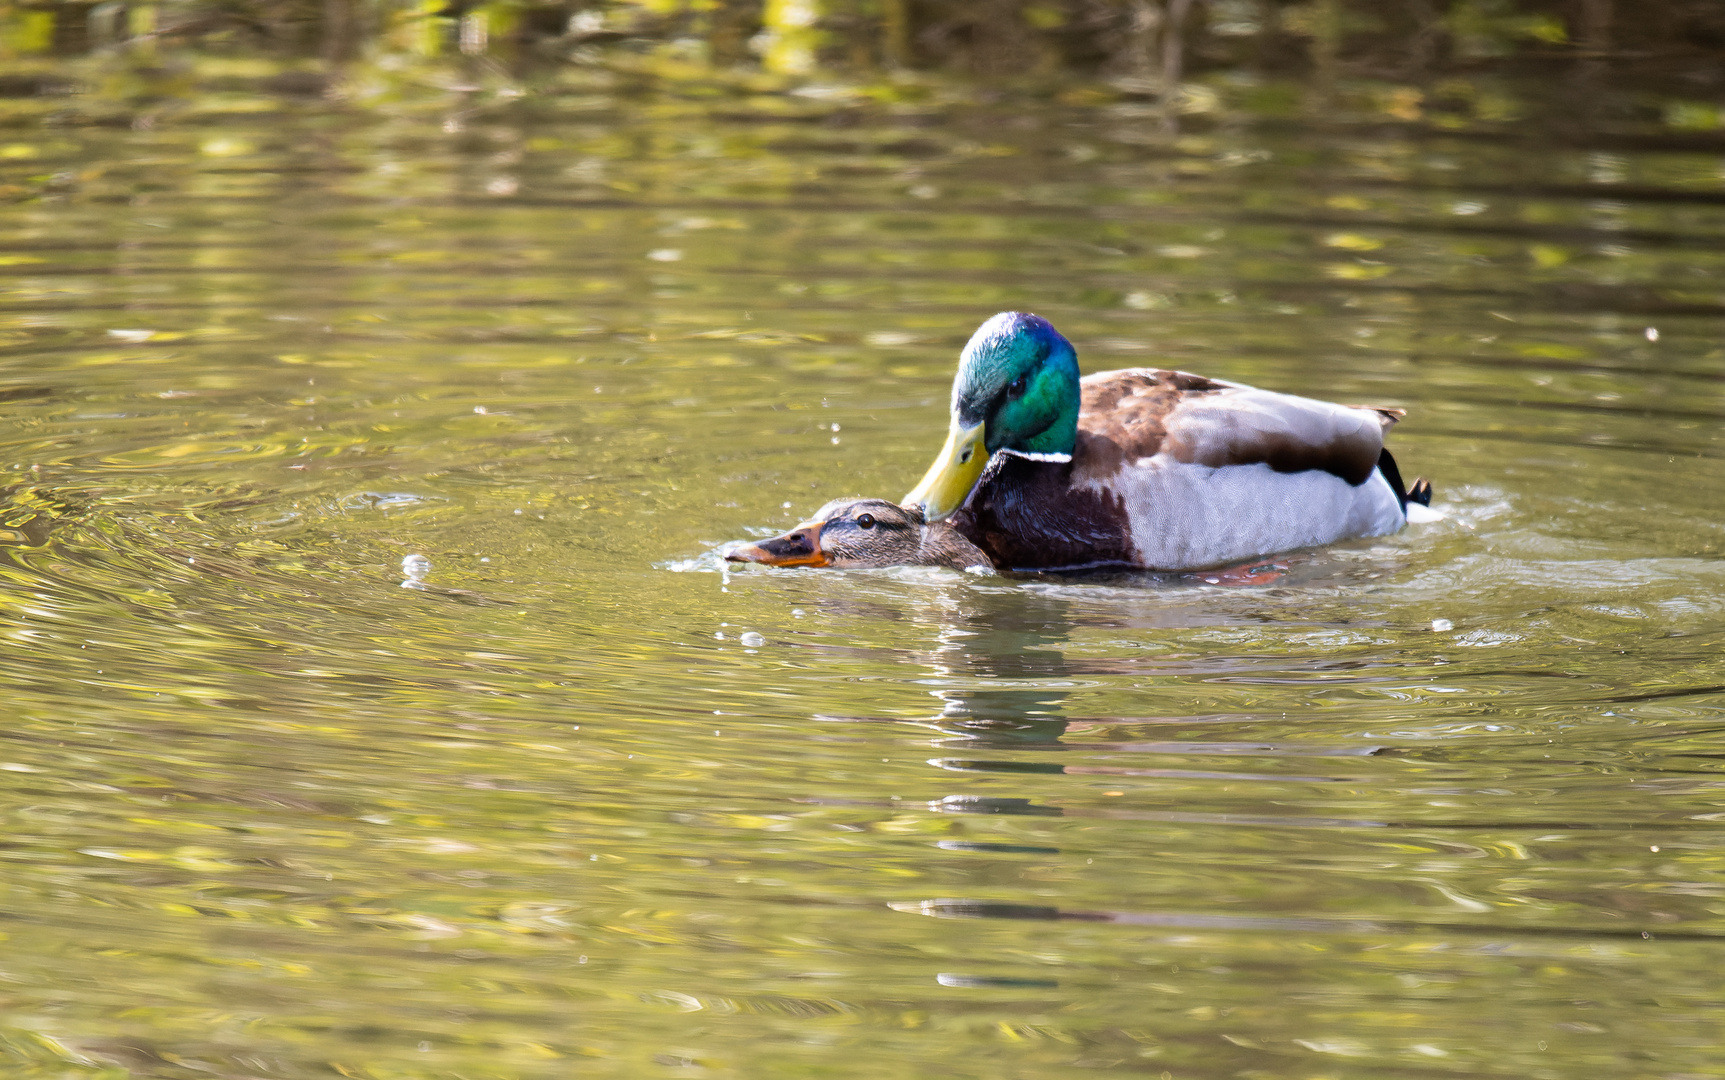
{"type": "Point", "coordinates": [856, 534]}
{"type": "Point", "coordinates": [1147, 468]}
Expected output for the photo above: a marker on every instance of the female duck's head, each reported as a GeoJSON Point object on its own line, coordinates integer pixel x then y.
{"type": "Point", "coordinates": [855, 534]}
{"type": "Point", "coordinates": [1016, 390]}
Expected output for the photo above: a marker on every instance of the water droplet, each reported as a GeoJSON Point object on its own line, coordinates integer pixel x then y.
{"type": "Point", "coordinates": [753, 640]}
{"type": "Point", "coordinates": [1440, 625]}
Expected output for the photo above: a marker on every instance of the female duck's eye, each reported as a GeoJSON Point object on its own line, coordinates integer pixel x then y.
{"type": "Point", "coordinates": [865, 521]}
{"type": "Point", "coordinates": [1016, 387]}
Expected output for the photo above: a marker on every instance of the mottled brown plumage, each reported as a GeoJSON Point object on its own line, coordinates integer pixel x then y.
{"type": "Point", "coordinates": [1121, 416]}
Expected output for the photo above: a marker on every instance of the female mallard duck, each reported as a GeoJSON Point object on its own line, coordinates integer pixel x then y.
{"type": "Point", "coordinates": [855, 534]}
{"type": "Point", "coordinates": [1156, 469]}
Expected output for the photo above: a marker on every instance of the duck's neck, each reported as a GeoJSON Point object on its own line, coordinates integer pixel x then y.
{"type": "Point", "coordinates": [1045, 420]}
{"type": "Point", "coordinates": [943, 545]}
{"type": "Point", "coordinates": [1064, 393]}
{"type": "Point", "coordinates": [1057, 439]}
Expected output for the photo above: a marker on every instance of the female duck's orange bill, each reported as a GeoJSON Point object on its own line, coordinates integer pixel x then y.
{"type": "Point", "coordinates": [799, 547]}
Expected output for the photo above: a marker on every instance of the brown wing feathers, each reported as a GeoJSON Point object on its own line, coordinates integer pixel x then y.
{"type": "Point", "coordinates": [1128, 415]}
{"type": "Point", "coordinates": [1246, 426]}
{"type": "Point", "coordinates": [1122, 414]}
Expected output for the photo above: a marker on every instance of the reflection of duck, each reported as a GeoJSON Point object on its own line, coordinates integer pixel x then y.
{"type": "Point", "coordinates": [1147, 468]}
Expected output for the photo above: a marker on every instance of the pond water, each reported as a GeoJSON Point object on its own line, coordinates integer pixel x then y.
{"type": "Point", "coordinates": [579, 802]}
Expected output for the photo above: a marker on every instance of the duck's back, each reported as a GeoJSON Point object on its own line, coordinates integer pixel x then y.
{"type": "Point", "coordinates": [1174, 471]}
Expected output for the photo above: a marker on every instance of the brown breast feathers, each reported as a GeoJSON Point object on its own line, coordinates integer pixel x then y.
{"type": "Point", "coordinates": [1027, 515]}
{"type": "Point", "coordinates": [1041, 515]}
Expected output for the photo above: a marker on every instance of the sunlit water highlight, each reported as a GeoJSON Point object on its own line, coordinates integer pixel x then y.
{"type": "Point", "coordinates": [583, 802]}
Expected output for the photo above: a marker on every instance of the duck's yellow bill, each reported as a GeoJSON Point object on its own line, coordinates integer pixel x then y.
{"type": "Point", "coordinates": [949, 480]}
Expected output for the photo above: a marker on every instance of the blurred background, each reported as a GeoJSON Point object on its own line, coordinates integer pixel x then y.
{"type": "Point", "coordinates": [339, 49]}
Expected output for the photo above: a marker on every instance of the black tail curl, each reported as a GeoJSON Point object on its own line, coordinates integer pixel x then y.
{"type": "Point", "coordinates": [1420, 493]}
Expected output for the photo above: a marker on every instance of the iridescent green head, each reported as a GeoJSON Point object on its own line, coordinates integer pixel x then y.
{"type": "Point", "coordinates": [1016, 391]}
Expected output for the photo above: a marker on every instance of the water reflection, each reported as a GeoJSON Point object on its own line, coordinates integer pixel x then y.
{"type": "Point", "coordinates": [1004, 648]}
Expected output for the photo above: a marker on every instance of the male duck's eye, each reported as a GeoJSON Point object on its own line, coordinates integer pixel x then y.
{"type": "Point", "coordinates": [1016, 387]}
{"type": "Point", "coordinates": [865, 521]}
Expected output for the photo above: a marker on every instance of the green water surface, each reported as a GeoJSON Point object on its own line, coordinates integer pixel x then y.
{"type": "Point", "coordinates": [1446, 803]}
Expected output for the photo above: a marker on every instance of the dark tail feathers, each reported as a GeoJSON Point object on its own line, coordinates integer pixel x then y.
{"type": "Point", "coordinates": [1420, 493]}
